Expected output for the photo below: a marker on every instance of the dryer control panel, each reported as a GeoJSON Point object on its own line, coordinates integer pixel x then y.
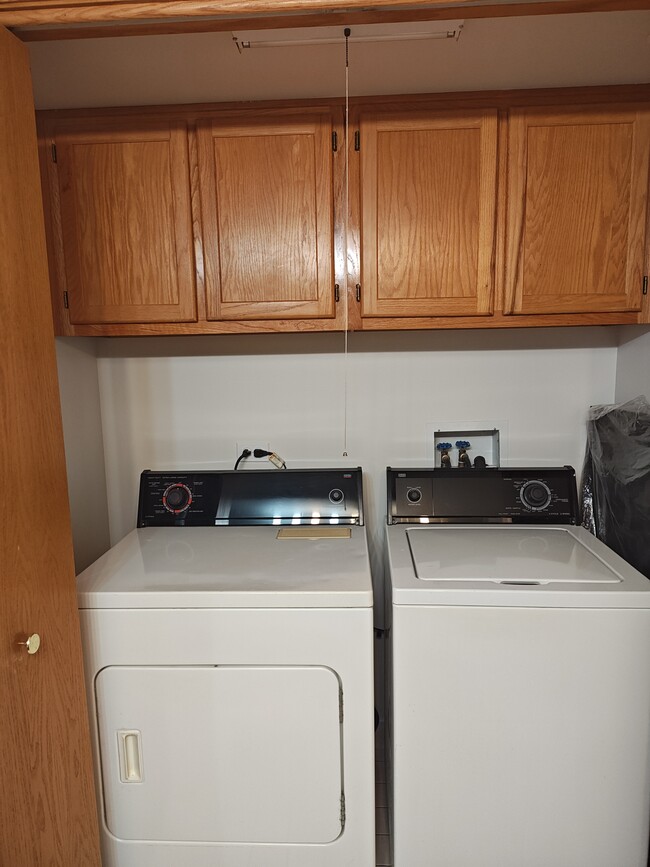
{"type": "Point", "coordinates": [533, 495]}
{"type": "Point", "coordinates": [250, 497]}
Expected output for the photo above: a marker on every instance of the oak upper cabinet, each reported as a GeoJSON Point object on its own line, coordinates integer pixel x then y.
{"type": "Point", "coordinates": [122, 226]}
{"type": "Point", "coordinates": [577, 200]}
{"type": "Point", "coordinates": [428, 212]}
{"type": "Point", "coordinates": [267, 207]}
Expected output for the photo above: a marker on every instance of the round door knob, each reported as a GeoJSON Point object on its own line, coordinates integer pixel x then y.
{"type": "Point", "coordinates": [32, 643]}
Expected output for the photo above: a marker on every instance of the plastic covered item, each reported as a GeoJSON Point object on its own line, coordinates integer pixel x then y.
{"type": "Point", "coordinates": [616, 479]}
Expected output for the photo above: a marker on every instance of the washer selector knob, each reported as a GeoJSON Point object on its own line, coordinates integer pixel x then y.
{"type": "Point", "coordinates": [535, 495]}
{"type": "Point", "coordinates": [336, 496]}
{"type": "Point", "coordinates": [414, 495]}
{"type": "Point", "coordinates": [177, 498]}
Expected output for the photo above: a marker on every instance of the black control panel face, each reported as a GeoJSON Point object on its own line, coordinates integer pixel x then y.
{"type": "Point", "coordinates": [250, 497]}
{"type": "Point", "coordinates": [517, 495]}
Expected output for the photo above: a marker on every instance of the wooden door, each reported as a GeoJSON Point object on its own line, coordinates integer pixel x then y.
{"type": "Point", "coordinates": [47, 802]}
{"type": "Point", "coordinates": [124, 231]}
{"type": "Point", "coordinates": [267, 197]}
{"type": "Point", "coordinates": [428, 212]}
{"type": "Point", "coordinates": [577, 199]}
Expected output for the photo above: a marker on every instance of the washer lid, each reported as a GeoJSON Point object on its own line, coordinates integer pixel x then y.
{"type": "Point", "coordinates": [505, 555]}
{"type": "Point", "coordinates": [230, 567]}
{"type": "Point", "coordinates": [510, 565]}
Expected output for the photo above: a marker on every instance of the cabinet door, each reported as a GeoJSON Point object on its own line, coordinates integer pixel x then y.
{"type": "Point", "coordinates": [126, 226]}
{"type": "Point", "coordinates": [577, 195]}
{"type": "Point", "coordinates": [428, 202]}
{"type": "Point", "coordinates": [267, 198]}
{"type": "Point", "coordinates": [47, 803]}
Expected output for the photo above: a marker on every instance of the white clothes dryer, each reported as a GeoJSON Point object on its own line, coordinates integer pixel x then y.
{"type": "Point", "coordinates": [228, 649]}
{"type": "Point", "coordinates": [519, 653]}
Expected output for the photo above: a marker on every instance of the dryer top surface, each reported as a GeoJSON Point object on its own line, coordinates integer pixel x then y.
{"type": "Point", "coordinates": [230, 567]}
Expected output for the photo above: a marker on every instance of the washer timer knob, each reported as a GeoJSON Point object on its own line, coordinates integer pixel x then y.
{"type": "Point", "coordinates": [177, 498]}
{"type": "Point", "coordinates": [535, 495]}
{"type": "Point", "coordinates": [336, 496]}
{"type": "Point", "coordinates": [414, 495]}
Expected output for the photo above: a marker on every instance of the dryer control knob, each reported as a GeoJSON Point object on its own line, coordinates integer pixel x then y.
{"type": "Point", "coordinates": [336, 496]}
{"type": "Point", "coordinates": [177, 498]}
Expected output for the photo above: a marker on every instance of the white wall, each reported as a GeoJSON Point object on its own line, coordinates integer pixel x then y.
{"type": "Point", "coordinates": [633, 364]}
{"type": "Point", "coordinates": [196, 402]}
{"type": "Point", "coordinates": [84, 450]}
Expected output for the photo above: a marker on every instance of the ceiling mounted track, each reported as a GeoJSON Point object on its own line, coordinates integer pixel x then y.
{"type": "Point", "coordinates": [397, 32]}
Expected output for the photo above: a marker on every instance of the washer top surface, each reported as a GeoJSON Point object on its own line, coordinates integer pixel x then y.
{"type": "Point", "coordinates": [231, 567]}
{"type": "Point", "coordinates": [512, 565]}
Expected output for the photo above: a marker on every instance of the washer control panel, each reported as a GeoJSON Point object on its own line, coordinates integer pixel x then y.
{"type": "Point", "coordinates": [250, 497]}
{"type": "Point", "coordinates": [512, 495]}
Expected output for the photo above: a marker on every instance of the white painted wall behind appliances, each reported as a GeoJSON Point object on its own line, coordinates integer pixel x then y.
{"type": "Point", "coordinates": [175, 402]}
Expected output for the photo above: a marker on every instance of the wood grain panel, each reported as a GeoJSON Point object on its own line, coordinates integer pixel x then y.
{"type": "Point", "coordinates": [428, 186]}
{"type": "Point", "coordinates": [241, 119]}
{"type": "Point", "coordinates": [577, 210]}
{"type": "Point", "coordinates": [321, 12]}
{"type": "Point", "coordinates": [126, 223]}
{"type": "Point", "coordinates": [342, 19]}
{"type": "Point", "coordinates": [267, 181]}
{"type": "Point", "coordinates": [52, 214]}
{"type": "Point", "coordinates": [352, 225]}
{"type": "Point", "coordinates": [369, 323]}
{"type": "Point", "coordinates": [268, 215]}
{"type": "Point", "coordinates": [644, 315]}
{"type": "Point", "coordinates": [411, 218]}
{"type": "Point", "coordinates": [47, 804]}
{"type": "Point", "coordinates": [614, 95]}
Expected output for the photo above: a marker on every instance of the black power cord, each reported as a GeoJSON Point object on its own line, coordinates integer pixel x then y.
{"type": "Point", "coordinates": [246, 453]}
{"type": "Point", "coordinates": [276, 460]}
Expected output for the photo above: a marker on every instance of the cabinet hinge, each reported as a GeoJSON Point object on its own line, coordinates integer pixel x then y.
{"type": "Point", "coordinates": [336, 293]}
{"type": "Point", "coordinates": [53, 150]}
{"type": "Point", "coordinates": [66, 304]}
{"type": "Point", "coordinates": [645, 285]}
{"type": "Point", "coordinates": [340, 704]}
{"type": "Point", "coordinates": [342, 810]}
{"type": "Point", "coordinates": [335, 142]}
{"type": "Point", "coordinates": [357, 140]}
{"type": "Point", "coordinates": [358, 288]}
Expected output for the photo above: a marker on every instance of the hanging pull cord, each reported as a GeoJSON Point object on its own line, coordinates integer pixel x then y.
{"type": "Point", "coordinates": [346, 33]}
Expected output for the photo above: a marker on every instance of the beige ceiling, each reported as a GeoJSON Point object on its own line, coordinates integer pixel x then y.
{"type": "Point", "coordinates": [544, 51]}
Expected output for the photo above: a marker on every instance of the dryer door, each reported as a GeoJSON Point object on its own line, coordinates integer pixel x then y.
{"type": "Point", "coordinates": [221, 753]}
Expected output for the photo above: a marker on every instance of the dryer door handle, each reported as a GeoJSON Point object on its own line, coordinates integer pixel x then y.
{"type": "Point", "coordinates": [129, 742]}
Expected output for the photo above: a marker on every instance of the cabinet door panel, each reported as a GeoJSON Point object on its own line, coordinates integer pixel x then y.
{"type": "Point", "coordinates": [428, 183]}
{"type": "Point", "coordinates": [576, 210]}
{"type": "Point", "coordinates": [266, 187]}
{"type": "Point", "coordinates": [126, 223]}
{"type": "Point", "coordinates": [47, 804]}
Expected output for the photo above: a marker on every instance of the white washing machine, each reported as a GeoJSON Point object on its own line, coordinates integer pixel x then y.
{"type": "Point", "coordinates": [228, 650]}
{"type": "Point", "coordinates": [519, 647]}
